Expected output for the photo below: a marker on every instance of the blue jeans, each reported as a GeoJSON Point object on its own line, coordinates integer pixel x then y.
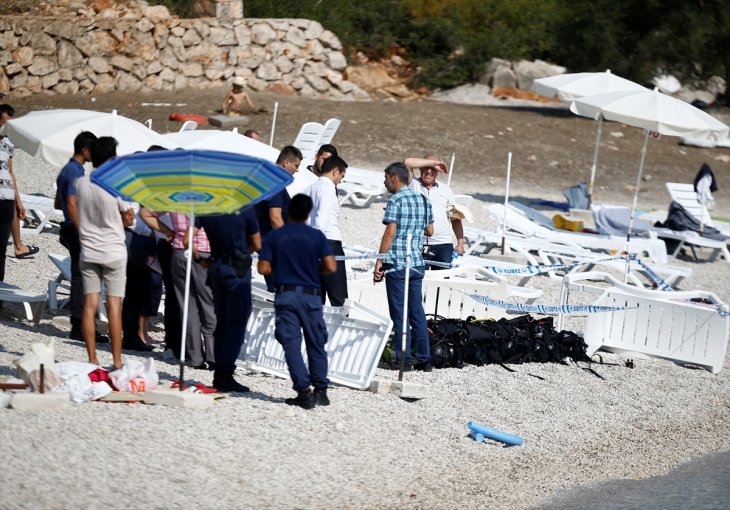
{"type": "Point", "coordinates": [418, 331]}
{"type": "Point", "coordinates": [441, 252]}
{"type": "Point", "coordinates": [297, 312]}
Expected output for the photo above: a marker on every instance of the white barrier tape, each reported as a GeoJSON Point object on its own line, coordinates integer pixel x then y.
{"type": "Point", "coordinates": [661, 283]}
{"type": "Point", "coordinates": [361, 257]}
{"type": "Point", "coordinates": [544, 309]}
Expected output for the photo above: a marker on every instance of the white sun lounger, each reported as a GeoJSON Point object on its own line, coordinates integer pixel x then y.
{"type": "Point", "coordinates": [63, 281]}
{"type": "Point", "coordinates": [534, 251]}
{"type": "Point", "coordinates": [657, 324]}
{"type": "Point", "coordinates": [518, 222]}
{"type": "Point", "coordinates": [41, 209]}
{"type": "Point", "coordinates": [33, 302]}
{"type": "Point", "coordinates": [356, 339]}
{"type": "Point", "coordinates": [307, 139]}
{"type": "Point", "coordinates": [361, 187]}
{"type": "Point", "coordinates": [328, 132]}
{"type": "Point", "coordinates": [614, 219]}
{"type": "Point", "coordinates": [443, 293]}
{"type": "Point", "coordinates": [686, 196]}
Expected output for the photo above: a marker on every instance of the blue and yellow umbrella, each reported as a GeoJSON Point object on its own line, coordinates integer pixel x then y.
{"type": "Point", "coordinates": [195, 182]}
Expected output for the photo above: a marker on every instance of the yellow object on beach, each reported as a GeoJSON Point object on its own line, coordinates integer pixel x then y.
{"type": "Point", "coordinates": [564, 223]}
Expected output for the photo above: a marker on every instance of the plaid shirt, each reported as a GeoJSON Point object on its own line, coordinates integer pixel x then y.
{"type": "Point", "coordinates": [412, 213]}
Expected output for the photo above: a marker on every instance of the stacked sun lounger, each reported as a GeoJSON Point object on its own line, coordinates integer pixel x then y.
{"type": "Point", "coordinates": [687, 327]}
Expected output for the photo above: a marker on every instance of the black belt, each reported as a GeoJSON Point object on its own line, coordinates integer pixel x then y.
{"type": "Point", "coordinates": [312, 291]}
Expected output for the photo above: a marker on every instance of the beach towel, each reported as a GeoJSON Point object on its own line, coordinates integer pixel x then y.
{"type": "Point", "coordinates": [577, 196]}
{"type": "Point", "coordinates": [615, 221]}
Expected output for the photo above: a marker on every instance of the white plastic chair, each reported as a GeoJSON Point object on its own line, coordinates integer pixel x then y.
{"type": "Point", "coordinates": [653, 323]}
{"type": "Point", "coordinates": [356, 339]}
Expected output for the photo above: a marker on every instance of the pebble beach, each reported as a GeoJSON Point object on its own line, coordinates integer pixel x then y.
{"type": "Point", "coordinates": [365, 450]}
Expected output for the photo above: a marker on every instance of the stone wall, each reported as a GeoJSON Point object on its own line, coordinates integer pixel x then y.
{"type": "Point", "coordinates": [147, 49]}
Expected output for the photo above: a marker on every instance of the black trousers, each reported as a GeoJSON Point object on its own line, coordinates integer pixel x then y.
{"type": "Point", "coordinates": [335, 285]}
{"type": "Point", "coordinates": [135, 293]}
{"type": "Point", "coordinates": [69, 238]}
{"type": "Point", "coordinates": [173, 319]}
{"type": "Point", "coordinates": [7, 213]}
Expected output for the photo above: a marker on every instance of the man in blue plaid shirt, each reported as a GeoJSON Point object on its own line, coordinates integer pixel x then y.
{"type": "Point", "coordinates": [407, 212]}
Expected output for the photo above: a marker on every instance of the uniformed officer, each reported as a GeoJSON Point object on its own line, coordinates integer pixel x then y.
{"type": "Point", "coordinates": [297, 254]}
{"type": "Point", "coordinates": [233, 237]}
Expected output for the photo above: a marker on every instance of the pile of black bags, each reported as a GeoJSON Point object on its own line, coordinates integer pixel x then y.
{"type": "Point", "coordinates": [524, 339]}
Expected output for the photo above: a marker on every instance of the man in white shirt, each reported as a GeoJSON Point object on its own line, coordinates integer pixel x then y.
{"type": "Point", "coordinates": [102, 219]}
{"type": "Point", "coordinates": [325, 216]}
{"type": "Point", "coordinates": [439, 246]}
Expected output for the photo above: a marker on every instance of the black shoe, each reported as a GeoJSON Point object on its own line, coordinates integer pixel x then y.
{"type": "Point", "coordinates": [136, 344]}
{"type": "Point", "coordinates": [76, 334]}
{"type": "Point", "coordinates": [304, 399]}
{"type": "Point", "coordinates": [320, 397]}
{"type": "Point", "coordinates": [211, 365]}
{"type": "Point", "coordinates": [224, 382]}
{"type": "Point", "coordinates": [423, 367]}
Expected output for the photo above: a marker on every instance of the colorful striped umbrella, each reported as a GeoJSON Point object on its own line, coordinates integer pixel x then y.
{"type": "Point", "coordinates": [191, 181]}
{"type": "Point", "coordinates": [195, 182]}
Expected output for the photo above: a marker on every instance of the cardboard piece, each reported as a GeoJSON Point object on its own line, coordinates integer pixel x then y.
{"type": "Point", "coordinates": [402, 389]}
{"type": "Point", "coordinates": [177, 398]}
{"type": "Point", "coordinates": [33, 401]}
{"type": "Point", "coordinates": [123, 396]}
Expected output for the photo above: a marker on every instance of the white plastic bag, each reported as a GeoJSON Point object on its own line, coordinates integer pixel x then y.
{"type": "Point", "coordinates": [39, 354]}
{"type": "Point", "coordinates": [136, 376]}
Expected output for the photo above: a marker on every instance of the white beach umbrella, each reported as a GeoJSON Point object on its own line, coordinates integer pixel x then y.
{"type": "Point", "coordinates": [233, 141]}
{"type": "Point", "coordinates": [568, 87]}
{"type": "Point", "coordinates": [50, 134]}
{"type": "Point", "coordinates": [657, 114]}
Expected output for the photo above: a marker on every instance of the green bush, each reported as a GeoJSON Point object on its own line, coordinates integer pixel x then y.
{"type": "Point", "coordinates": [449, 41]}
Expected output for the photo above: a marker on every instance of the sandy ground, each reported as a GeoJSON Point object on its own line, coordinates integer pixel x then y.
{"type": "Point", "coordinates": [365, 450]}
{"type": "Point", "coordinates": [552, 148]}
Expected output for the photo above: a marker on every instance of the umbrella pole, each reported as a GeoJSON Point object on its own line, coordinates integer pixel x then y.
{"type": "Point", "coordinates": [186, 300]}
{"type": "Point", "coordinates": [273, 123]}
{"type": "Point", "coordinates": [595, 160]}
{"type": "Point", "coordinates": [405, 308]}
{"type": "Point", "coordinates": [633, 206]}
{"type": "Point", "coordinates": [451, 168]}
{"type": "Point", "coordinates": [506, 199]}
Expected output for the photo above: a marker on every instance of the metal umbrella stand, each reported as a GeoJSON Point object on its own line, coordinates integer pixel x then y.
{"type": "Point", "coordinates": [404, 329]}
